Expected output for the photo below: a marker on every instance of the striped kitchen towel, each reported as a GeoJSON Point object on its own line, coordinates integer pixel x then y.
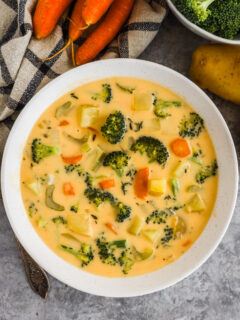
{"type": "Point", "coordinates": [22, 71]}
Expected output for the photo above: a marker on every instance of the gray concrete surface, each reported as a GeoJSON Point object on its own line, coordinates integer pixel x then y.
{"type": "Point", "coordinates": [211, 293]}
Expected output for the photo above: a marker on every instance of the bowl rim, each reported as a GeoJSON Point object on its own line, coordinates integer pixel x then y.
{"type": "Point", "coordinates": [196, 29]}
{"type": "Point", "coordinates": [127, 287]}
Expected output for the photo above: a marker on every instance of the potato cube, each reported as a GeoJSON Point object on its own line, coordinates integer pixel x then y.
{"type": "Point", "coordinates": [142, 101]}
{"type": "Point", "coordinates": [88, 116]}
{"type": "Point", "coordinates": [157, 186]}
{"type": "Point", "coordinates": [80, 224]}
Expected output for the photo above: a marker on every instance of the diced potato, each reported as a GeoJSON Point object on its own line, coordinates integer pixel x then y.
{"type": "Point", "coordinates": [35, 187]}
{"type": "Point", "coordinates": [80, 224]}
{"type": "Point", "coordinates": [181, 168]}
{"type": "Point", "coordinates": [195, 204]}
{"type": "Point", "coordinates": [88, 116]}
{"type": "Point", "coordinates": [136, 225]}
{"type": "Point", "coordinates": [151, 234]}
{"type": "Point", "coordinates": [142, 101]}
{"type": "Point", "coordinates": [42, 222]}
{"type": "Point", "coordinates": [157, 187]}
{"type": "Point", "coordinates": [144, 255]}
{"type": "Point", "coordinates": [179, 226]}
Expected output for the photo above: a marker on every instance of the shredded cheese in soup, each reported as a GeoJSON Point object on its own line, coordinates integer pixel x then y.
{"type": "Point", "coordinates": [119, 177]}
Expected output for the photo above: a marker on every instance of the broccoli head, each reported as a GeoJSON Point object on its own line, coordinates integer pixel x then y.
{"type": "Point", "coordinates": [98, 197]}
{"type": "Point", "coordinates": [224, 19]}
{"type": "Point", "coordinates": [159, 216]}
{"type": "Point", "coordinates": [114, 128]}
{"type": "Point", "coordinates": [59, 220]}
{"type": "Point", "coordinates": [106, 251]}
{"type": "Point", "coordinates": [105, 95]}
{"type": "Point", "coordinates": [191, 126]}
{"type": "Point", "coordinates": [194, 10]}
{"type": "Point", "coordinates": [85, 254]}
{"type": "Point", "coordinates": [123, 211]}
{"type": "Point", "coordinates": [74, 168]}
{"type": "Point", "coordinates": [207, 172]}
{"type": "Point", "coordinates": [117, 160]}
{"type": "Point", "coordinates": [41, 151]}
{"type": "Point", "coordinates": [125, 261]}
{"type": "Point", "coordinates": [154, 148]}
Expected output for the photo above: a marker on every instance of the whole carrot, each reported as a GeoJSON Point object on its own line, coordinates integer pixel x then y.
{"type": "Point", "coordinates": [46, 16]}
{"type": "Point", "coordinates": [105, 32]}
{"type": "Point", "coordinates": [77, 23]}
{"type": "Point", "coordinates": [93, 10]}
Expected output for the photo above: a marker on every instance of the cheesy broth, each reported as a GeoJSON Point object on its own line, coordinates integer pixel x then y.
{"type": "Point", "coordinates": [161, 225]}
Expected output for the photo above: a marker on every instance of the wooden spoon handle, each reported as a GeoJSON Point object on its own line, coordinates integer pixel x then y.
{"type": "Point", "coordinates": [36, 276]}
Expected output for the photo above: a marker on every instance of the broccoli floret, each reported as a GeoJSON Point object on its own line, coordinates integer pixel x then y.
{"type": "Point", "coordinates": [74, 208]}
{"type": "Point", "coordinates": [125, 89]}
{"type": "Point", "coordinates": [207, 172]}
{"type": "Point", "coordinates": [59, 220]}
{"type": "Point", "coordinates": [195, 10]}
{"type": "Point", "coordinates": [74, 168]}
{"type": "Point", "coordinates": [98, 197]}
{"type": "Point", "coordinates": [107, 249]}
{"type": "Point", "coordinates": [154, 148]}
{"type": "Point", "coordinates": [85, 254]}
{"type": "Point", "coordinates": [32, 209]}
{"type": "Point", "coordinates": [191, 126]}
{"type": "Point", "coordinates": [124, 186]}
{"type": "Point", "coordinates": [168, 235]}
{"type": "Point", "coordinates": [125, 261]}
{"type": "Point", "coordinates": [123, 212]}
{"type": "Point", "coordinates": [41, 151]}
{"type": "Point", "coordinates": [224, 19]}
{"type": "Point", "coordinates": [117, 160]}
{"type": "Point", "coordinates": [89, 180]}
{"type": "Point", "coordinates": [160, 106]}
{"type": "Point", "coordinates": [159, 216]}
{"type": "Point", "coordinates": [114, 128]}
{"type": "Point", "coordinates": [105, 95]}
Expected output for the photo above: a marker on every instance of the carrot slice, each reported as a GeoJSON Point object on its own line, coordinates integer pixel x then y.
{"type": "Point", "coordinates": [63, 123]}
{"type": "Point", "coordinates": [107, 184]}
{"type": "Point", "coordinates": [105, 32]}
{"type": "Point", "coordinates": [187, 243]}
{"type": "Point", "coordinates": [111, 227]}
{"type": "Point", "coordinates": [141, 183]}
{"type": "Point", "coordinates": [72, 160]}
{"type": "Point", "coordinates": [93, 10]}
{"type": "Point", "coordinates": [68, 189]}
{"type": "Point", "coordinates": [181, 147]}
{"type": "Point", "coordinates": [46, 16]}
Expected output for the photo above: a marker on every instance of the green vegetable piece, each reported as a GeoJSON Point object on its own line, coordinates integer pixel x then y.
{"type": "Point", "coordinates": [126, 262]}
{"type": "Point", "coordinates": [194, 188]}
{"type": "Point", "coordinates": [168, 235]}
{"type": "Point", "coordinates": [99, 155]}
{"type": "Point", "coordinates": [136, 226]}
{"type": "Point", "coordinates": [191, 126]}
{"type": "Point", "coordinates": [41, 151]}
{"type": "Point", "coordinates": [154, 149]}
{"type": "Point", "coordinates": [206, 172]}
{"type": "Point", "coordinates": [105, 95]}
{"type": "Point", "coordinates": [74, 208]}
{"type": "Point", "coordinates": [195, 204]}
{"type": "Point", "coordinates": [50, 203]}
{"type": "Point", "coordinates": [117, 160]}
{"type": "Point", "coordinates": [85, 254]}
{"type": "Point", "coordinates": [119, 243]}
{"type": "Point", "coordinates": [114, 128]}
{"type": "Point", "coordinates": [32, 209]}
{"type": "Point", "coordinates": [181, 169]}
{"type": "Point", "coordinates": [142, 102]}
{"type": "Point", "coordinates": [35, 187]}
{"type": "Point", "coordinates": [151, 234]}
{"type": "Point", "coordinates": [88, 116]}
{"type": "Point", "coordinates": [123, 211]}
{"type": "Point", "coordinates": [80, 141]}
{"type": "Point", "coordinates": [141, 256]}
{"type": "Point", "coordinates": [63, 110]}
{"type": "Point", "coordinates": [160, 105]}
{"type": "Point", "coordinates": [124, 88]}
{"type": "Point", "coordinates": [175, 186]}
{"type": "Point", "coordinates": [180, 227]}
{"type": "Point", "coordinates": [42, 222]}
{"type": "Point", "coordinates": [59, 220]}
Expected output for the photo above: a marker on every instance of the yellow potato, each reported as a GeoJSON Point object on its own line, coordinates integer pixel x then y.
{"type": "Point", "coordinates": [216, 67]}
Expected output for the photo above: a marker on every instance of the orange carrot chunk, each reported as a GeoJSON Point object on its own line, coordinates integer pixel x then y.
{"type": "Point", "coordinates": [181, 147]}
{"type": "Point", "coordinates": [111, 227]}
{"type": "Point", "coordinates": [46, 16]}
{"type": "Point", "coordinates": [105, 32]}
{"type": "Point", "coordinates": [68, 189]}
{"type": "Point", "coordinates": [141, 183]}
{"type": "Point", "coordinates": [107, 184]}
{"type": "Point", "coordinates": [93, 10]}
{"type": "Point", "coordinates": [63, 123]}
{"type": "Point", "coordinates": [72, 160]}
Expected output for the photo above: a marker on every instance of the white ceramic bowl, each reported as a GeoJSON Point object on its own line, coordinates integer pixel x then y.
{"type": "Point", "coordinates": [199, 31]}
{"type": "Point", "coordinates": [202, 248]}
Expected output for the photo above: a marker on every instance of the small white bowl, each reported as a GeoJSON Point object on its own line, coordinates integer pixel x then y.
{"type": "Point", "coordinates": [201, 249]}
{"type": "Point", "coordinates": [199, 31]}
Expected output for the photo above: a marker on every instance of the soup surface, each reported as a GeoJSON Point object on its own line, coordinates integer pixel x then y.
{"type": "Point", "coordinates": [119, 177]}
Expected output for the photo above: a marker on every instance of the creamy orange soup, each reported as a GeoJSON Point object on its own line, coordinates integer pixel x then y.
{"type": "Point", "coordinates": [121, 213]}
